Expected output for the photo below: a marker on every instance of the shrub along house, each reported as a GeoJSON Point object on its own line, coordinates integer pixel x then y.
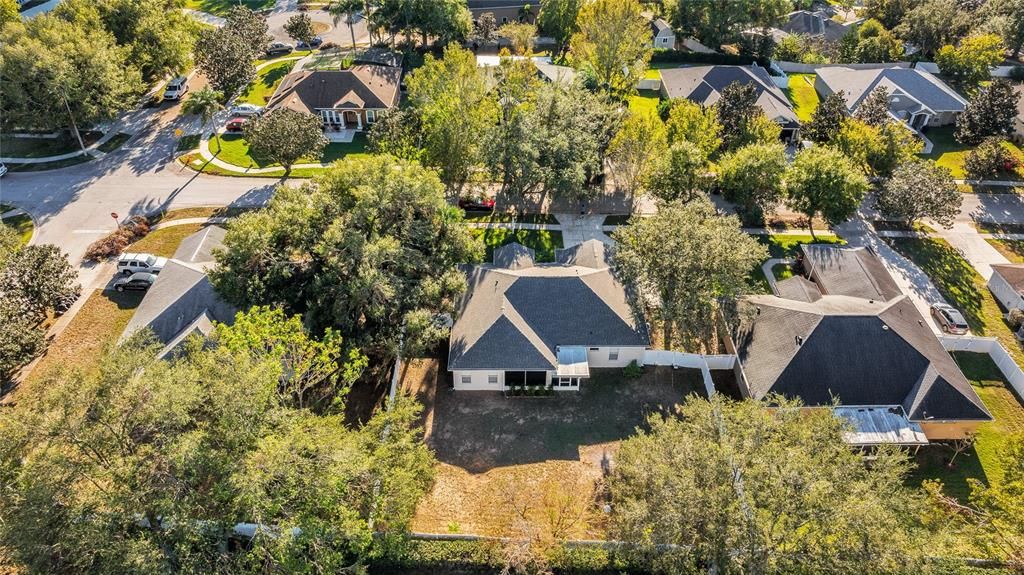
{"type": "Point", "coordinates": [345, 100]}
{"type": "Point", "coordinates": [522, 323]}
{"type": "Point", "coordinates": [704, 84]}
{"type": "Point", "coordinates": [845, 338]}
{"type": "Point", "coordinates": [916, 98]}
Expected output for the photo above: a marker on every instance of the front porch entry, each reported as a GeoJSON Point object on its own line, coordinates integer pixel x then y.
{"type": "Point", "coordinates": [343, 119]}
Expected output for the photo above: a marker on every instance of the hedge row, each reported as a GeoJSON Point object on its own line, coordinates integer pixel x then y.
{"type": "Point", "coordinates": [663, 55]}
{"type": "Point", "coordinates": [420, 557]}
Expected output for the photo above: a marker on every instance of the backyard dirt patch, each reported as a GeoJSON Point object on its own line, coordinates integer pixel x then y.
{"type": "Point", "coordinates": [503, 458]}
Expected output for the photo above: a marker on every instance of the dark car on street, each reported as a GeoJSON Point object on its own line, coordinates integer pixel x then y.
{"type": "Point", "coordinates": [279, 49]}
{"type": "Point", "coordinates": [139, 281]}
{"type": "Point", "coordinates": [314, 43]}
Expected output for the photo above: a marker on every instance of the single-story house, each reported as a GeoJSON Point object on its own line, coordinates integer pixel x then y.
{"type": "Point", "coordinates": [916, 98]}
{"type": "Point", "coordinates": [504, 11]}
{"type": "Point", "coordinates": [704, 84]}
{"type": "Point", "coordinates": [182, 301]}
{"type": "Point", "coordinates": [523, 323]}
{"type": "Point", "coordinates": [844, 335]}
{"type": "Point", "coordinates": [663, 35]}
{"type": "Point", "coordinates": [1007, 285]}
{"type": "Point", "coordinates": [1018, 121]}
{"type": "Point", "coordinates": [816, 24]}
{"type": "Point", "coordinates": [349, 99]}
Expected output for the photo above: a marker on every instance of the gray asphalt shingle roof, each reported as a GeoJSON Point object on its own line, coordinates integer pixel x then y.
{"type": "Point", "coordinates": [925, 88]}
{"type": "Point", "coordinates": [364, 86]}
{"type": "Point", "coordinates": [515, 318]}
{"type": "Point", "coordinates": [849, 271]}
{"type": "Point", "coordinates": [704, 84]}
{"type": "Point", "coordinates": [182, 293]}
{"type": "Point", "coordinates": [854, 351]}
{"type": "Point", "coordinates": [809, 23]}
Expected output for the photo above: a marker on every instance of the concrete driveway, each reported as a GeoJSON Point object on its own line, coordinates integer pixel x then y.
{"type": "Point", "coordinates": [339, 34]}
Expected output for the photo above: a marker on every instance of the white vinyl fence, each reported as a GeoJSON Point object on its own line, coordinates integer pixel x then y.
{"type": "Point", "coordinates": [705, 363]}
{"type": "Point", "coordinates": [995, 350]}
{"type": "Point", "coordinates": [797, 67]}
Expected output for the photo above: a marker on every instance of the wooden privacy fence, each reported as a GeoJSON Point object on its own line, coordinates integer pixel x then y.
{"type": "Point", "coordinates": [705, 363]}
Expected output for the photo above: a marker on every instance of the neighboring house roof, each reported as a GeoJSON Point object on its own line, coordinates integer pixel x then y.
{"type": "Point", "coordinates": [798, 288]}
{"type": "Point", "coordinates": [182, 301]}
{"type": "Point", "coordinates": [704, 84]}
{"type": "Point", "coordinates": [818, 23]}
{"type": "Point", "coordinates": [853, 272]}
{"type": "Point", "coordinates": [556, 74]}
{"type": "Point", "coordinates": [516, 317]}
{"type": "Point", "coordinates": [1012, 274]}
{"type": "Point", "coordinates": [659, 27]}
{"type": "Point", "coordinates": [361, 86]}
{"type": "Point", "coordinates": [854, 351]}
{"type": "Point", "coordinates": [910, 89]}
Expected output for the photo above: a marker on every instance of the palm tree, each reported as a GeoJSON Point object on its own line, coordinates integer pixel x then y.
{"type": "Point", "coordinates": [346, 9]}
{"type": "Point", "coordinates": [205, 103]}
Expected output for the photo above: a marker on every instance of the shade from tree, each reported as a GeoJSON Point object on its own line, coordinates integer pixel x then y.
{"type": "Point", "coordinates": [738, 487]}
{"type": "Point", "coordinates": [686, 262]}
{"type": "Point", "coordinates": [369, 248]}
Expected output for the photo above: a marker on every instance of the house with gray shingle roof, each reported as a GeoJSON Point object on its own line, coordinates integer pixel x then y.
{"type": "Point", "coordinates": [182, 302]}
{"type": "Point", "coordinates": [847, 337]}
{"type": "Point", "coordinates": [351, 99]}
{"type": "Point", "coordinates": [916, 98]}
{"type": "Point", "coordinates": [704, 85]}
{"type": "Point", "coordinates": [523, 323]}
{"type": "Point", "coordinates": [664, 36]}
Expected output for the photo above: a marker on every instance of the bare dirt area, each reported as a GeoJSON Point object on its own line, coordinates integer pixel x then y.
{"type": "Point", "coordinates": [508, 464]}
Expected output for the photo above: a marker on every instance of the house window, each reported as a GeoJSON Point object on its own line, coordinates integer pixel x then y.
{"type": "Point", "coordinates": [467, 379]}
{"type": "Point", "coordinates": [613, 355]}
{"type": "Point", "coordinates": [504, 20]}
{"type": "Point", "coordinates": [371, 116]}
{"type": "Point", "coordinates": [492, 379]}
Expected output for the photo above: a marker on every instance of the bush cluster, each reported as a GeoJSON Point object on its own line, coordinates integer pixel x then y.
{"type": "Point", "coordinates": [117, 241]}
{"type": "Point", "coordinates": [990, 159]}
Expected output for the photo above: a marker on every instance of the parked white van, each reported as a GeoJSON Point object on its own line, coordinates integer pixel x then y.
{"type": "Point", "coordinates": [176, 88]}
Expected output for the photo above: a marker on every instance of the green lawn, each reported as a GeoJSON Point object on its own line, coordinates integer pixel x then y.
{"type": "Point", "coordinates": [785, 246]}
{"type": "Point", "coordinates": [646, 101]}
{"type": "Point", "coordinates": [985, 460]}
{"type": "Point", "coordinates": [962, 287]}
{"type": "Point", "coordinates": [234, 150]}
{"type": "Point", "coordinates": [949, 153]}
{"type": "Point", "coordinates": [114, 143]}
{"type": "Point", "coordinates": [289, 57]}
{"type": "Point", "coordinates": [543, 242]}
{"type": "Point", "coordinates": [1012, 250]}
{"type": "Point", "coordinates": [801, 92]}
{"type": "Point", "coordinates": [492, 217]}
{"type": "Point", "coordinates": [222, 7]}
{"type": "Point", "coordinates": [21, 223]}
{"type": "Point", "coordinates": [266, 81]}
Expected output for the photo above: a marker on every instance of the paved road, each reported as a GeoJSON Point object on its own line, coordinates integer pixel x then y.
{"type": "Point", "coordinates": [72, 206]}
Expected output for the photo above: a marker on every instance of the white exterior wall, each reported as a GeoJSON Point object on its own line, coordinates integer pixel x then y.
{"type": "Point", "coordinates": [1007, 296]}
{"type": "Point", "coordinates": [479, 379]}
{"type": "Point", "coordinates": [598, 356]}
{"type": "Point", "coordinates": [665, 40]}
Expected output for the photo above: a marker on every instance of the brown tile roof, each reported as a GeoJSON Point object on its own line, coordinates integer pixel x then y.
{"type": "Point", "coordinates": [363, 86]}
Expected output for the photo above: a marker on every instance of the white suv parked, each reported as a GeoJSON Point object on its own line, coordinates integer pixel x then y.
{"type": "Point", "coordinates": [176, 88]}
{"type": "Point", "coordinates": [128, 264]}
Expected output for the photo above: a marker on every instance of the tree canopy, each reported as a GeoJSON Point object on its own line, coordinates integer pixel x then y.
{"type": "Point", "coordinates": [990, 112]}
{"type": "Point", "coordinates": [823, 182]}
{"type": "Point", "coordinates": [285, 135]}
{"type": "Point", "coordinates": [369, 248]}
{"type": "Point", "coordinates": [751, 177]}
{"type": "Point", "coordinates": [613, 44]}
{"type": "Point", "coordinates": [60, 73]}
{"type": "Point", "coordinates": [972, 60]}
{"type": "Point", "coordinates": [557, 19]}
{"type": "Point", "coordinates": [710, 262]}
{"type": "Point", "coordinates": [743, 488]}
{"type": "Point", "coordinates": [145, 466]}
{"type": "Point", "coordinates": [918, 190]}
{"type": "Point", "coordinates": [717, 23]}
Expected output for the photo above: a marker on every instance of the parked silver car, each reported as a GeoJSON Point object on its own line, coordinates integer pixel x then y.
{"type": "Point", "coordinates": [131, 263]}
{"type": "Point", "coordinates": [950, 319]}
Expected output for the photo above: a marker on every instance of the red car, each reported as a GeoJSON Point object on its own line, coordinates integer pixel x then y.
{"type": "Point", "coordinates": [236, 124]}
{"type": "Point", "coordinates": [477, 204]}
